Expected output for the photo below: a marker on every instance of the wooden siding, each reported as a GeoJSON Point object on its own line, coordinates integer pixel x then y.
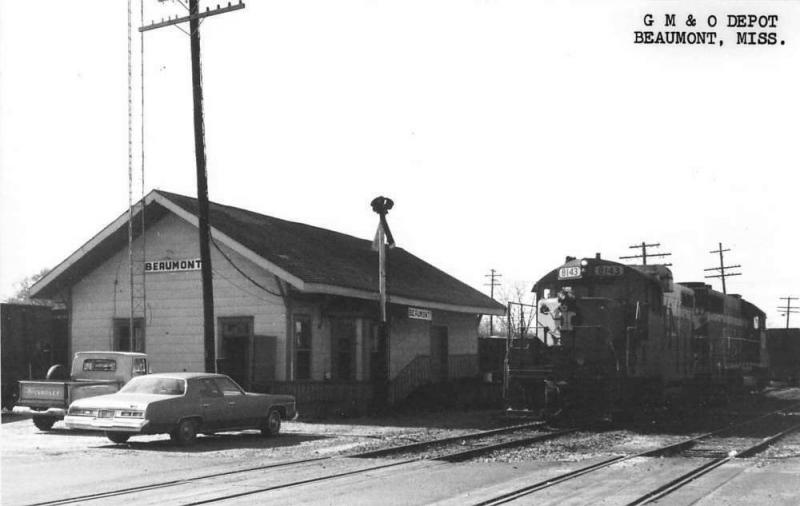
{"type": "Point", "coordinates": [174, 324]}
{"type": "Point", "coordinates": [174, 332]}
{"type": "Point", "coordinates": [412, 337]}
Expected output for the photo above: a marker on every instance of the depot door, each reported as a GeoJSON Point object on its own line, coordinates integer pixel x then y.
{"type": "Point", "coordinates": [439, 352]}
{"type": "Point", "coordinates": [236, 349]}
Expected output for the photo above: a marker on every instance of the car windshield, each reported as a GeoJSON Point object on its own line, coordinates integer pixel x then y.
{"type": "Point", "coordinates": [155, 385]}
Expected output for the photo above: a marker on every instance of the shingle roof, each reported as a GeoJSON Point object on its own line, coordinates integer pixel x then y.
{"type": "Point", "coordinates": [320, 256]}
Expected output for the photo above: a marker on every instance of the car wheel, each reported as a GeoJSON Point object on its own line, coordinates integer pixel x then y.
{"type": "Point", "coordinates": [184, 433]}
{"type": "Point", "coordinates": [272, 424]}
{"type": "Point", "coordinates": [118, 437]}
{"type": "Point", "coordinates": [44, 422]}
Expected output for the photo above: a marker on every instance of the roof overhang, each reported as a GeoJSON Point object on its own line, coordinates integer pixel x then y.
{"type": "Point", "coordinates": [154, 197]}
{"type": "Point", "coordinates": [398, 299]}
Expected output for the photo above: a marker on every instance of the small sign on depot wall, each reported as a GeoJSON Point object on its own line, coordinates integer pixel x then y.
{"type": "Point", "coordinates": [420, 314]}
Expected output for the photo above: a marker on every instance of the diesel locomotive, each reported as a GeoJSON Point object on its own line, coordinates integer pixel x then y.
{"type": "Point", "coordinates": [610, 337]}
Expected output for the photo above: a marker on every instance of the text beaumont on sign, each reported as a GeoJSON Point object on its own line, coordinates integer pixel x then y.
{"type": "Point", "coordinates": [173, 265]}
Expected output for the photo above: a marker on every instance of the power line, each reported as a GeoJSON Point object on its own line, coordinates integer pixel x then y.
{"type": "Point", "coordinates": [493, 282]}
{"type": "Point", "coordinates": [645, 255]}
{"type": "Point", "coordinates": [240, 271]}
{"type": "Point", "coordinates": [722, 268]}
{"type": "Point", "coordinates": [788, 310]}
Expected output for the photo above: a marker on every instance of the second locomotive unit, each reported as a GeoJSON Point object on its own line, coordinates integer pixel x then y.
{"type": "Point", "coordinates": [611, 337]}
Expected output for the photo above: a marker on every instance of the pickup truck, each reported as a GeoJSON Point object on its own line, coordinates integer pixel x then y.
{"type": "Point", "coordinates": [93, 373]}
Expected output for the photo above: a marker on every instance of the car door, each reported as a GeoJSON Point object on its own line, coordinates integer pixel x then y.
{"type": "Point", "coordinates": [236, 406]}
{"type": "Point", "coordinates": [213, 405]}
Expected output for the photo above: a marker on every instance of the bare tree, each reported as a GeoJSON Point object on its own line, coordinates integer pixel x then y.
{"type": "Point", "coordinates": [23, 290]}
{"type": "Point", "coordinates": [519, 292]}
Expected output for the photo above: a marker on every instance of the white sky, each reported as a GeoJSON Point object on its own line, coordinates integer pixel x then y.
{"type": "Point", "coordinates": [509, 133]}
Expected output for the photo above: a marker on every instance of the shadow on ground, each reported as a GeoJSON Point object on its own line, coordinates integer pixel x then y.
{"type": "Point", "coordinates": [217, 442]}
{"type": "Point", "coordinates": [439, 419]}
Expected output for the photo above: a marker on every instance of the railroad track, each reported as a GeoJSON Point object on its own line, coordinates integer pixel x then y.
{"type": "Point", "coordinates": [711, 443]}
{"type": "Point", "coordinates": [736, 451]}
{"type": "Point", "coordinates": [505, 434]}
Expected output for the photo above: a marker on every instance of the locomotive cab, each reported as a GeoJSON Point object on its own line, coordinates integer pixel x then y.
{"type": "Point", "coordinates": [587, 325]}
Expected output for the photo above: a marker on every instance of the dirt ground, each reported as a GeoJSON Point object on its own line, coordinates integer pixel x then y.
{"type": "Point", "coordinates": [73, 462]}
{"type": "Point", "coordinates": [82, 460]}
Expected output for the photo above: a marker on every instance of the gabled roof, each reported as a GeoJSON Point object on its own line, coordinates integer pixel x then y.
{"type": "Point", "coordinates": [311, 259]}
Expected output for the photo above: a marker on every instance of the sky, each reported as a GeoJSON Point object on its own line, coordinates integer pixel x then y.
{"type": "Point", "coordinates": [510, 134]}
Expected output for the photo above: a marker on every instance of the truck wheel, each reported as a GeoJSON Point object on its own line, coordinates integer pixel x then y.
{"type": "Point", "coordinates": [272, 424]}
{"type": "Point", "coordinates": [44, 422]}
{"type": "Point", "coordinates": [118, 437]}
{"type": "Point", "coordinates": [184, 433]}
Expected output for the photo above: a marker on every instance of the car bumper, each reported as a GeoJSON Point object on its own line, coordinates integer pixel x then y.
{"type": "Point", "coordinates": [133, 425]}
{"type": "Point", "coordinates": [27, 411]}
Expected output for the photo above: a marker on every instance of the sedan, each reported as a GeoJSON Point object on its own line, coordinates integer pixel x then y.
{"type": "Point", "coordinates": [181, 405]}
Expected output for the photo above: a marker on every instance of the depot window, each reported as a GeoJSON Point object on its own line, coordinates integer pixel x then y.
{"type": "Point", "coordinates": [122, 335]}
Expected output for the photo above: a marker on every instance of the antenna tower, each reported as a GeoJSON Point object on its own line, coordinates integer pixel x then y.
{"type": "Point", "coordinates": [136, 254]}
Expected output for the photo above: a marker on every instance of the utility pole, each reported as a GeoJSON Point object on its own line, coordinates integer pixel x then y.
{"type": "Point", "coordinates": [193, 19]}
{"type": "Point", "coordinates": [722, 268]}
{"type": "Point", "coordinates": [644, 254]}
{"type": "Point", "coordinates": [493, 277]}
{"type": "Point", "coordinates": [786, 311]}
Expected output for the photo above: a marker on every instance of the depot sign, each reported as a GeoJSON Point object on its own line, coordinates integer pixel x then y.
{"type": "Point", "coordinates": [193, 264]}
{"type": "Point", "coordinates": [420, 314]}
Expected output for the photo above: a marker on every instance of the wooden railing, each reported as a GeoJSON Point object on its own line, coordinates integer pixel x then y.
{"type": "Point", "coordinates": [415, 374]}
{"type": "Point", "coordinates": [324, 398]}
{"type": "Point", "coordinates": [462, 366]}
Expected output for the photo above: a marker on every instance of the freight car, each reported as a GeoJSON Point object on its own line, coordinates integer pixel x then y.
{"type": "Point", "coordinates": [783, 354]}
{"type": "Point", "coordinates": [32, 338]}
{"type": "Point", "coordinates": [611, 336]}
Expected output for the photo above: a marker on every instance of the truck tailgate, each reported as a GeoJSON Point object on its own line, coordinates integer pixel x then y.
{"type": "Point", "coordinates": [42, 394]}
{"type": "Point", "coordinates": [58, 394]}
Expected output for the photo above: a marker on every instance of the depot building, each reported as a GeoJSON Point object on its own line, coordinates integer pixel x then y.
{"type": "Point", "coordinates": [296, 306]}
